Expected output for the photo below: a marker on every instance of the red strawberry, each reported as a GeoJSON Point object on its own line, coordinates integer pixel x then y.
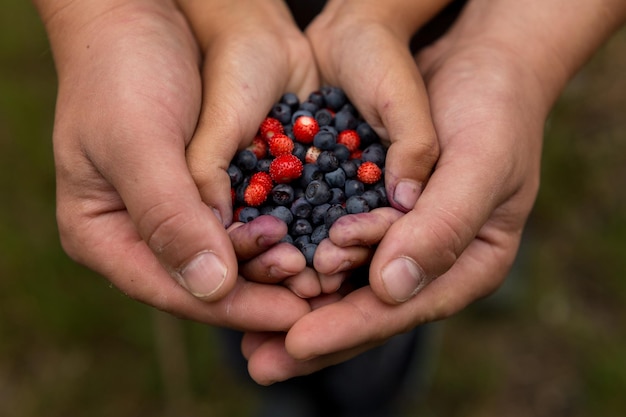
{"type": "Point", "coordinates": [285, 168]}
{"type": "Point", "coordinates": [356, 154]}
{"type": "Point", "coordinates": [258, 147]}
{"type": "Point", "coordinates": [369, 173]}
{"type": "Point", "coordinates": [280, 145]}
{"type": "Point", "coordinates": [311, 154]}
{"type": "Point", "coordinates": [255, 194]}
{"type": "Point", "coordinates": [264, 179]}
{"type": "Point", "coordinates": [270, 127]}
{"type": "Point", "coordinates": [305, 128]}
{"type": "Point", "coordinates": [350, 139]}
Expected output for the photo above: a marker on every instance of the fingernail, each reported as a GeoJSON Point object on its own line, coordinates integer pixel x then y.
{"type": "Point", "coordinates": [406, 193]}
{"type": "Point", "coordinates": [402, 278]}
{"type": "Point", "coordinates": [204, 274]}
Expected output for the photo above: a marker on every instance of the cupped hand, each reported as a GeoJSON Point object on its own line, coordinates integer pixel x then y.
{"type": "Point", "coordinates": [128, 104]}
{"type": "Point", "coordinates": [489, 109]}
{"type": "Point", "coordinates": [253, 53]}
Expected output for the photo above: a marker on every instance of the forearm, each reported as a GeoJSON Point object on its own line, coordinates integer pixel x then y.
{"type": "Point", "coordinates": [552, 38]}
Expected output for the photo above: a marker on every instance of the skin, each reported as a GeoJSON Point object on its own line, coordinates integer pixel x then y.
{"type": "Point", "coordinates": [492, 80]}
{"type": "Point", "coordinates": [129, 101]}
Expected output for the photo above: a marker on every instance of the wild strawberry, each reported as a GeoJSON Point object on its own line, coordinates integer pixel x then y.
{"type": "Point", "coordinates": [280, 145]}
{"type": "Point", "coordinates": [358, 154]}
{"type": "Point", "coordinates": [311, 154]}
{"type": "Point", "coordinates": [264, 179]}
{"type": "Point", "coordinates": [285, 168]}
{"type": "Point", "coordinates": [350, 139]}
{"type": "Point", "coordinates": [270, 127]}
{"type": "Point", "coordinates": [369, 173]}
{"type": "Point", "coordinates": [305, 128]}
{"type": "Point", "coordinates": [258, 147]}
{"type": "Point", "coordinates": [255, 194]}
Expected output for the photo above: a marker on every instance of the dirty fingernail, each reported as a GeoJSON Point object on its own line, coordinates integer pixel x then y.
{"type": "Point", "coordinates": [204, 274]}
{"type": "Point", "coordinates": [406, 193]}
{"type": "Point", "coordinates": [402, 278]}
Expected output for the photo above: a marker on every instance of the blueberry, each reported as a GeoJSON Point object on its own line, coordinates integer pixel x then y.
{"type": "Point", "coordinates": [301, 227]}
{"type": "Point", "coordinates": [246, 160]}
{"type": "Point", "coordinates": [349, 107]}
{"type": "Point", "coordinates": [287, 239]}
{"type": "Point", "coordinates": [350, 168]}
{"type": "Point", "coordinates": [263, 165]}
{"type": "Point", "coordinates": [373, 198]}
{"type": "Point", "coordinates": [308, 250]}
{"type": "Point", "coordinates": [299, 150]}
{"type": "Point", "coordinates": [336, 178]}
{"type": "Point", "coordinates": [345, 120]}
{"type": "Point", "coordinates": [382, 192]}
{"type": "Point", "coordinates": [235, 174]}
{"type": "Point", "coordinates": [310, 172]}
{"type": "Point", "coordinates": [282, 213]}
{"type": "Point", "coordinates": [325, 140]}
{"type": "Point", "coordinates": [317, 98]}
{"type": "Point", "coordinates": [318, 214]}
{"type": "Point", "coordinates": [319, 233]}
{"type": "Point", "coordinates": [353, 187]}
{"type": "Point", "coordinates": [337, 196]}
{"type": "Point", "coordinates": [301, 208]}
{"type": "Point", "coordinates": [335, 97]}
{"type": "Point", "coordinates": [327, 161]}
{"type": "Point", "coordinates": [247, 214]}
{"type": "Point", "coordinates": [281, 112]}
{"type": "Point", "coordinates": [356, 204]}
{"type": "Point", "coordinates": [240, 190]}
{"type": "Point", "coordinates": [317, 192]}
{"type": "Point", "coordinates": [266, 209]}
{"type": "Point", "coordinates": [282, 194]}
{"type": "Point", "coordinates": [309, 106]}
{"type": "Point", "coordinates": [291, 100]}
{"type": "Point", "coordinates": [367, 134]}
{"type": "Point", "coordinates": [324, 117]}
{"type": "Point", "coordinates": [341, 152]}
{"type": "Point", "coordinates": [333, 213]}
{"type": "Point", "coordinates": [374, 153]}
{"type": "Point", "coordinates": [302, 240]}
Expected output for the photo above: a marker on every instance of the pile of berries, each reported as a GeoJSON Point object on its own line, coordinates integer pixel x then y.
{"type": "Point", "coordinates": [310, 163]}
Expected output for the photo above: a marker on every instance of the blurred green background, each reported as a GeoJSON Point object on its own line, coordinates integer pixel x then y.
{"type": "Point", "coordinates": [551, 342]}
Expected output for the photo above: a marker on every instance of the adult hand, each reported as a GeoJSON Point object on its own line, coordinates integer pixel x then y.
{"type": "Point", "coordinates": [491, 82]}
{"type": "Point", "coordinates": [128, 103]}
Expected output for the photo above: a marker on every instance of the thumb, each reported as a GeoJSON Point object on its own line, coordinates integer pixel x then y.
{"type": "Point", "coordinates": [161, 197]}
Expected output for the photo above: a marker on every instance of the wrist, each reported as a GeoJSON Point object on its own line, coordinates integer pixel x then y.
{"type": "Point", "coordinates": [403, 17]}
{"type": "Point", "coordinates": [212, 18]}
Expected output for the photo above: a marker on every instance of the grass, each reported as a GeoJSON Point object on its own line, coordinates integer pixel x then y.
{"type": "Point", "coordinates": [551, 342]}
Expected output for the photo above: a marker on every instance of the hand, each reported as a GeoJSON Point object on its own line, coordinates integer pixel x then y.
{"type": "Point", "coordinates": [253, 53]}
{"type": "Point", "coordinates": [490, 90]}
{"type": "Point", "coordinates": [128, 103]}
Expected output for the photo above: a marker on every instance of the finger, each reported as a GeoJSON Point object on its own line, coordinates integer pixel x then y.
{"type": "Point", "coordinates": [361, 318]}
{"type": "Point", "coordinates": [398, 109]}
{"type": "Point", "coordinates": [461, 196]}
{"type": "Point", "coordinates": [146, 165]}
{"type": "Point", "coordinates": [331, 259]}
{"type": "Point", "coordinates": [253, 238]}
{"type": "Point", "coordinates": [269, 362]}
{"type": "Point", "coordinates": [363, 229]}
{"type": "Point", "coordinates": [306, 284]}
{"type": "Point", "coordinates": [126, 260]}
